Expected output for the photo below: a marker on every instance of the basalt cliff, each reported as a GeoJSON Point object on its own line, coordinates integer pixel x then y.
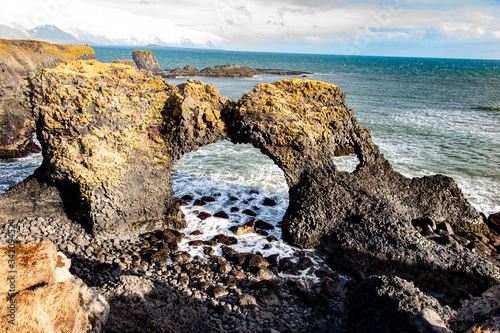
{"type": "Point", "coordinates": [18, 58]}
{"type": "Point", "coordinates": [111, 137]}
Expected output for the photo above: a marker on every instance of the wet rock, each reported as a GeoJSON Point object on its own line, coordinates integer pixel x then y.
{"type": "Point", "coordinates": [195, 243]}
{"type": "Point", "coordinates": [264, 274]}
{"type": "Point", "coordinates": [198, 203]}
{"type": "Point", "coordinates": [181, 203]}
{"type": "Point", "coordinates": [247, 228]}
{"type": "Point", "coordinates": [228, 251]}
{"type": "Point", "coordinates": [171, 236]}
{"type": "Point", "coordinates": [263, 225]}
{"type": "Point", "coordinates": [304, 263]}
{"type": "Point", "coordinates": [271, 239]}
{"type": "Point", "coordinates": [234, 209]}
{"type": "Point", "coordinates": [187, 197]}
{"type": "Point", "coordinates": [210, 242]}
{"type": "Point", "coordinates": [221, 214]}
{"type": "Point", "coordinates": [226, 240]}
{"type": "Point", "coordinates": [196, 233]}
{"type": "Point", "coordinates": [208, 199]}
{"type": "Point", "coordinates": [207, 250]}
{"type": "Point", "coordinates": [493, 222]}
{"type": "Point", "coordinates": [204, 215]}
{"type": "Point", "coordinates": [269, 202]}
{"type": "Point", "coordinates": [256, 261]}
{"type": "Point", "coordinates": [249, 212]}
{"type": "Point", "coordinates": [262, 233]}
{"type": "Point", "coordinates": [287, 266]}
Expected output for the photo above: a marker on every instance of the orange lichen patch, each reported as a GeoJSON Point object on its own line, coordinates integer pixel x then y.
{"type": "Point", "coordinates": [34, 264]}
{"type": "Point", "coordinates": [53, 308]}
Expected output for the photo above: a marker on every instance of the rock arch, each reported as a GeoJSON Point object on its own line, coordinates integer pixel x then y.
{"type": "Point", "coordinates": [111, 137]}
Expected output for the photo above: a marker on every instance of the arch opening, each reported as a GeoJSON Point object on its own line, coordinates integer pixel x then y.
{"type": "Point", "coordinates": [347, 163]}
{"type": "Point", "coordinates": [240, 181]}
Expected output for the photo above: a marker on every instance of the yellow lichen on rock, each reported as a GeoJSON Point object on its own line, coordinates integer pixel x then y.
{"type": "Point", "coordinates": [298, 113]}
{"type": "Point", "coordinates": [93, 100]}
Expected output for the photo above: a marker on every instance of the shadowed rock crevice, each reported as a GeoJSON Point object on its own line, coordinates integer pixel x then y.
{"type": "Point", "coordinates": [117, 134]}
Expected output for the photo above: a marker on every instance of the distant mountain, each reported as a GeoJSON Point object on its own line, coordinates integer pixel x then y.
{"type": "Point", "coordinates": [12, 33]}
{"type": "Point", "coordinates": [52, 34]}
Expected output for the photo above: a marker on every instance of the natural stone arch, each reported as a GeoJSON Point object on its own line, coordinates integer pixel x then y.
{"type": "Point", "coordinates": [111, 137]}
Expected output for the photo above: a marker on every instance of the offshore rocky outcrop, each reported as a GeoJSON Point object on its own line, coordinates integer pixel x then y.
{"type": "Point", "coordinates": [146, 60]}
{"type": "Point", "coordinates": [18, 58]}
{"type": "Point", "coordinates": [111, 137]}
{"type": "Point", "coordinates": [229, 70]}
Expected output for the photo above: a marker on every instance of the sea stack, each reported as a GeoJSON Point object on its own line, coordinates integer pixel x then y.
{"type": "Point", "coordinates": [146, 60]}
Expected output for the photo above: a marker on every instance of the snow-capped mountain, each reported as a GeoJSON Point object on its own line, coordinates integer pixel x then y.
{"type": "Point", "coordinates": [12, 33]}
{"type": "Point", "coordinates": [52, 34]}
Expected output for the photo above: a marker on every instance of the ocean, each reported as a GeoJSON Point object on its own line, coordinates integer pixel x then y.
{"type": "Point", "coordinates": [428, 116]}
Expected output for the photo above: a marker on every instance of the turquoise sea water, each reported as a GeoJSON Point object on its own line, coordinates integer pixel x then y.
{"type": "Point", "coordinates": [428, 116]}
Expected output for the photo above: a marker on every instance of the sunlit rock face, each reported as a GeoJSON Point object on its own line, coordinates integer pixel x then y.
{"type": "Point", "coordinates": [111, 138]}
{"type": "Point", "coordinates": [18, 58]}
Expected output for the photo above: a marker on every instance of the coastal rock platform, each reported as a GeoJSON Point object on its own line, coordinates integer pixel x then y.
{"type": "Point", "coordinates": [111, 137]}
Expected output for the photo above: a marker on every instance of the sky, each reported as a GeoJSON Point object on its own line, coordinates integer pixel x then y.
{"type": "Point", "coordinates": [421, 28]}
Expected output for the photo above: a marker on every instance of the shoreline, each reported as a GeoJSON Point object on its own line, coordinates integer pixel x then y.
{"type": "Point", "coordinates": [386, 231]}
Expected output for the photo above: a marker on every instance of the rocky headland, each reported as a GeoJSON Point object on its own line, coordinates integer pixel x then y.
{"type": "Point", "coordinates": [18, 58]}
{"type": "Point", "coordinates": [419, 256]}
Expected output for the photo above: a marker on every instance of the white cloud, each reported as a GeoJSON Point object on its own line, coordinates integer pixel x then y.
{"type": "Point", "coordinates": [114, 23]}
{"type": "Point", "coordinates": [243, 22]}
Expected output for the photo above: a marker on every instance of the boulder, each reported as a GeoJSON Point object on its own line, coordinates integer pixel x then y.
{"type": "Point", "coordinates": [17, 59]}
{"type": "Point", "coordinates": [246, 228]}
{"type": "Point", "coordinates": [146, 60]}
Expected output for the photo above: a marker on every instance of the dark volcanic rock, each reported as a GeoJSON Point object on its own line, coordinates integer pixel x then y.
{"type": "Point", "coordinates": [269, 202]}
{"type": "Point", "coordinates": [204, 215]}
{"type": "Point", "coordinates": [362, 220]}
{"type": "Point", "coordinates": [229, 70]}
{"type": "Point", "coordinates": [222, 215]}
{"type": "Point", "coordinates": [146, 60]}
{"type": "Point", "coordinates": [384, 304]}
